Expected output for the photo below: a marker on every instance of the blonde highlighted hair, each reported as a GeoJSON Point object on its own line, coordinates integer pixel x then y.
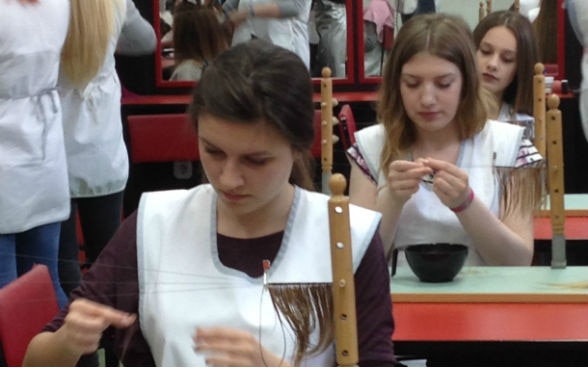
{"type": "Point", "coordinates": [91, 24]}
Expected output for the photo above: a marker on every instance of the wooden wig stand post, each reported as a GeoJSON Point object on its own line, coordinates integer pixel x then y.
{"type": "Point", "coordinates": [539, 108]}
{"type": "Point", "coordinates": [556, 182]}
{"type": "Point", "coordinates": [343, 280]}
{"type": "Point", "coordinates": [327, 139]}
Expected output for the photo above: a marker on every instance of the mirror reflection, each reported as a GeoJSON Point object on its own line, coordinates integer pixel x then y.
{"type": "Point", "coordinates": [193, 32]}
{"type": "Point", "coordinates": [382, 19]}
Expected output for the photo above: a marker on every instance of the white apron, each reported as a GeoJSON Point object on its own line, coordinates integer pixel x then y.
{"type": "Point", "coordinates": [183, 285]}
{"type": "Point", "coordinates": [97, 157]}
{"type": "Point", "coordinates": [289, 33]}
{"type": "Point", "coordinates": [424, 218]}
{"type": "Point", "coordinates": [33, 172]}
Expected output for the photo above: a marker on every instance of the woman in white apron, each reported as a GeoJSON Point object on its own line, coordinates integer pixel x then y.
{"type": "Point", "coordinates": [236, 272]}
{"type": "Point", "coordinates": [34, 195]}
{"type": "Point", "coordinates": [435, 167]}
{"type": "Point", "coordinates": [281, 22]}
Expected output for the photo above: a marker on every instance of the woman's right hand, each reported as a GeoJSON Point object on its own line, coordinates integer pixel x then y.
{"type": "Point", "coordinates": [404, 178]}
{"type": "Point", "coordinates": [86, 320]}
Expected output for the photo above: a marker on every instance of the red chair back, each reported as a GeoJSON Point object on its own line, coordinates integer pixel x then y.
{"type": "Point", "coordinates": [162, 138]}
{"type": "Point", "coordinates": [315, 150]}
{"type": "Point", "coordinates": [26, 305]}
{"type": "Point", "coordinates": [347, 126]}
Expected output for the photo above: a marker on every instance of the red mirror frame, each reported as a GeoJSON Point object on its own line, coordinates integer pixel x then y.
{"type": "Point", "coordinates": [559, 73]}
{"type": "Point", "coordinates": [349, 80]}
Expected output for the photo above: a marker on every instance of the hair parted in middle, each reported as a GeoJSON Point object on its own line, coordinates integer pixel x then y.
{"type": "Point", "coordinates": [444, 36]}
{"type": "Point", "coordinates": [519, 92]}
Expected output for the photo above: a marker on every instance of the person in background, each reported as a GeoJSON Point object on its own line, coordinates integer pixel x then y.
{"type": "Point", "coordinates": [435, 167]}
{"type": "Point", "coordinates": [507, 52]}
{"type": "Point", "coordinates": [168, 280]}
{"type": "Point", "coordinates": [197, 39]}
{"type": "Point", "coordinates": [97, 157]}
{"type": "Point", "coordinates": [34, 196]}
{"type": "Point", "coordinates": [330, 18]}
{"type": "Point", "coordinates": [578, 16]}
{"type": "Point", "coordinates": [281, 22]}
{"type": "Point", "coordinates": [409, 8]}
{"type": "Point", "coordinates": [378, 21]}
{"type": "Point", "coordinates": [96, 153]}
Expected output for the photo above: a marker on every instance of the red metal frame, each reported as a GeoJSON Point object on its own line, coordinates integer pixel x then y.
{"type": "Point", "coordinates": [160, 83]}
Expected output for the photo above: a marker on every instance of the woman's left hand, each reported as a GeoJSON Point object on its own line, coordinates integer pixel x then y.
{"type": "Point", "coordinates": [450, 183]}
{"type": "Point", "coordinates": [225, 346]}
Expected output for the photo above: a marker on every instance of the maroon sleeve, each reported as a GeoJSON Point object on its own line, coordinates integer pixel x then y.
{"type": "Point", "coordinates": [113, 280]}
{"type": "Point", "coordinates": [375, 324]}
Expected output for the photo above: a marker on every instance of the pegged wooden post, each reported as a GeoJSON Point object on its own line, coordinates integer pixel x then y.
{"type": "Point", "coordinates": [343, 280]}
{"type": "Point", "coordinates": [326, 128]}
{"type": "Point", "coordinates": [539, 108]}
{"type": "Point", "coordinates": [556, 182]}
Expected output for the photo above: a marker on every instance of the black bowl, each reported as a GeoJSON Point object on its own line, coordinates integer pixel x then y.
{"type": "Point", "coordinates": [439, 262]}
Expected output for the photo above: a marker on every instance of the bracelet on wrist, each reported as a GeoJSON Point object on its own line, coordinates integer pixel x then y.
{"type": "Point", "coordinates": [465, 204]}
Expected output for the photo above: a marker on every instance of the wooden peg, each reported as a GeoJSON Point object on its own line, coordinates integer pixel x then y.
{"type": "Point", "coordinates": [555, 164]}
{"type": "Point", "coordinates": [481, 12]}
{"type": "Point", "coordinates": [345, 315]}
{"type": "Point", "coordinates": [516, 5]}
{"type": "Point", "coordinates": [539, 108]}
{"type": "Point", "coordinates": [326, 128]}
{"type": "Point", "coordinates": [488, 6]}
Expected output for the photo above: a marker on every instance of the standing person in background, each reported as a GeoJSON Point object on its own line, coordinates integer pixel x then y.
{"type": "Point", "coordinates": [183, 281]}
{"type": "Point", "coordinates": [378, 22]}
{"type": "Point", "coordinates": [331, 26]}
{"type": "Point", "coordinates": [96, 152]}
{"type": "Point", "coordinates": [578, 15]}
{"type": "Point", "coordinates": [507, 52]}
{"type": "Point", "coordinates": [197, 39]}
{"type": "Point", "coordinates": [410, 8]}
{"type": "Point", "coordinates": [33, 175]}
{"type": "Point", "coordinates": [281, 22]}
{"type": "Point", "coordinates": [436, 168]}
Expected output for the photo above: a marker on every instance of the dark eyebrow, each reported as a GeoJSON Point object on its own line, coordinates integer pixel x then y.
{"type": "Point", "coordinates": [436, 77]}
{"type": "Point", "coordinates": [250, 154]}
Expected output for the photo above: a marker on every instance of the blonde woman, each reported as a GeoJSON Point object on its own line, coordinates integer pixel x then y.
{"type": "Point", "coordinates": [436, 167]}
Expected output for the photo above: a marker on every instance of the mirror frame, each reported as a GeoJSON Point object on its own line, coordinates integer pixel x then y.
{"type": "Point", "coordinates": [370, 80]}
{"type": "Point", "coordinates": [351, 51]}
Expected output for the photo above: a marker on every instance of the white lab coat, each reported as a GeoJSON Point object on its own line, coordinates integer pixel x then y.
{"type": "Point", "coordinates": [290, 33]}
{"type": "Point", "coordinates": [96, 152]}
{"type": "Point", "coordinates": [33, 173]}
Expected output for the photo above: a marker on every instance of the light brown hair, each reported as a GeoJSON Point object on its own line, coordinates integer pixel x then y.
{"type": "Point", "coordinates": [91, 23]}
{"type": "Point", "coordinates": [519, 93]}
{"type": "Point", "coordinates": [447, 37]}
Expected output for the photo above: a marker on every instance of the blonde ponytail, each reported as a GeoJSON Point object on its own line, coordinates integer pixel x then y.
{"type": "Point", "coordinates": [90, 28]}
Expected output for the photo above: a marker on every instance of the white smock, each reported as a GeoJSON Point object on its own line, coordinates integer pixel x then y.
{"type": "Point", "coordinates": [183, 284]}
{"type": "Point", "coordinates": [97, 157]}
{"type": "Point", "coordinates": [289, 33]}
{"type": "Point", "coordinates": [424, 218]}
{"type": "Point", "coordinates": [33, 172]}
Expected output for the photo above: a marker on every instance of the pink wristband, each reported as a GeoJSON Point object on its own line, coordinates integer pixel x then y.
{"type": "Point", "coordinates": [465, 203]}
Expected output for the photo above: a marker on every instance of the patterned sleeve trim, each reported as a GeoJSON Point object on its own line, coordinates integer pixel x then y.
{"type": "Point", "coordinates": [528, 155]}
{"type": "Point", "coordinates": [355, 155]}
